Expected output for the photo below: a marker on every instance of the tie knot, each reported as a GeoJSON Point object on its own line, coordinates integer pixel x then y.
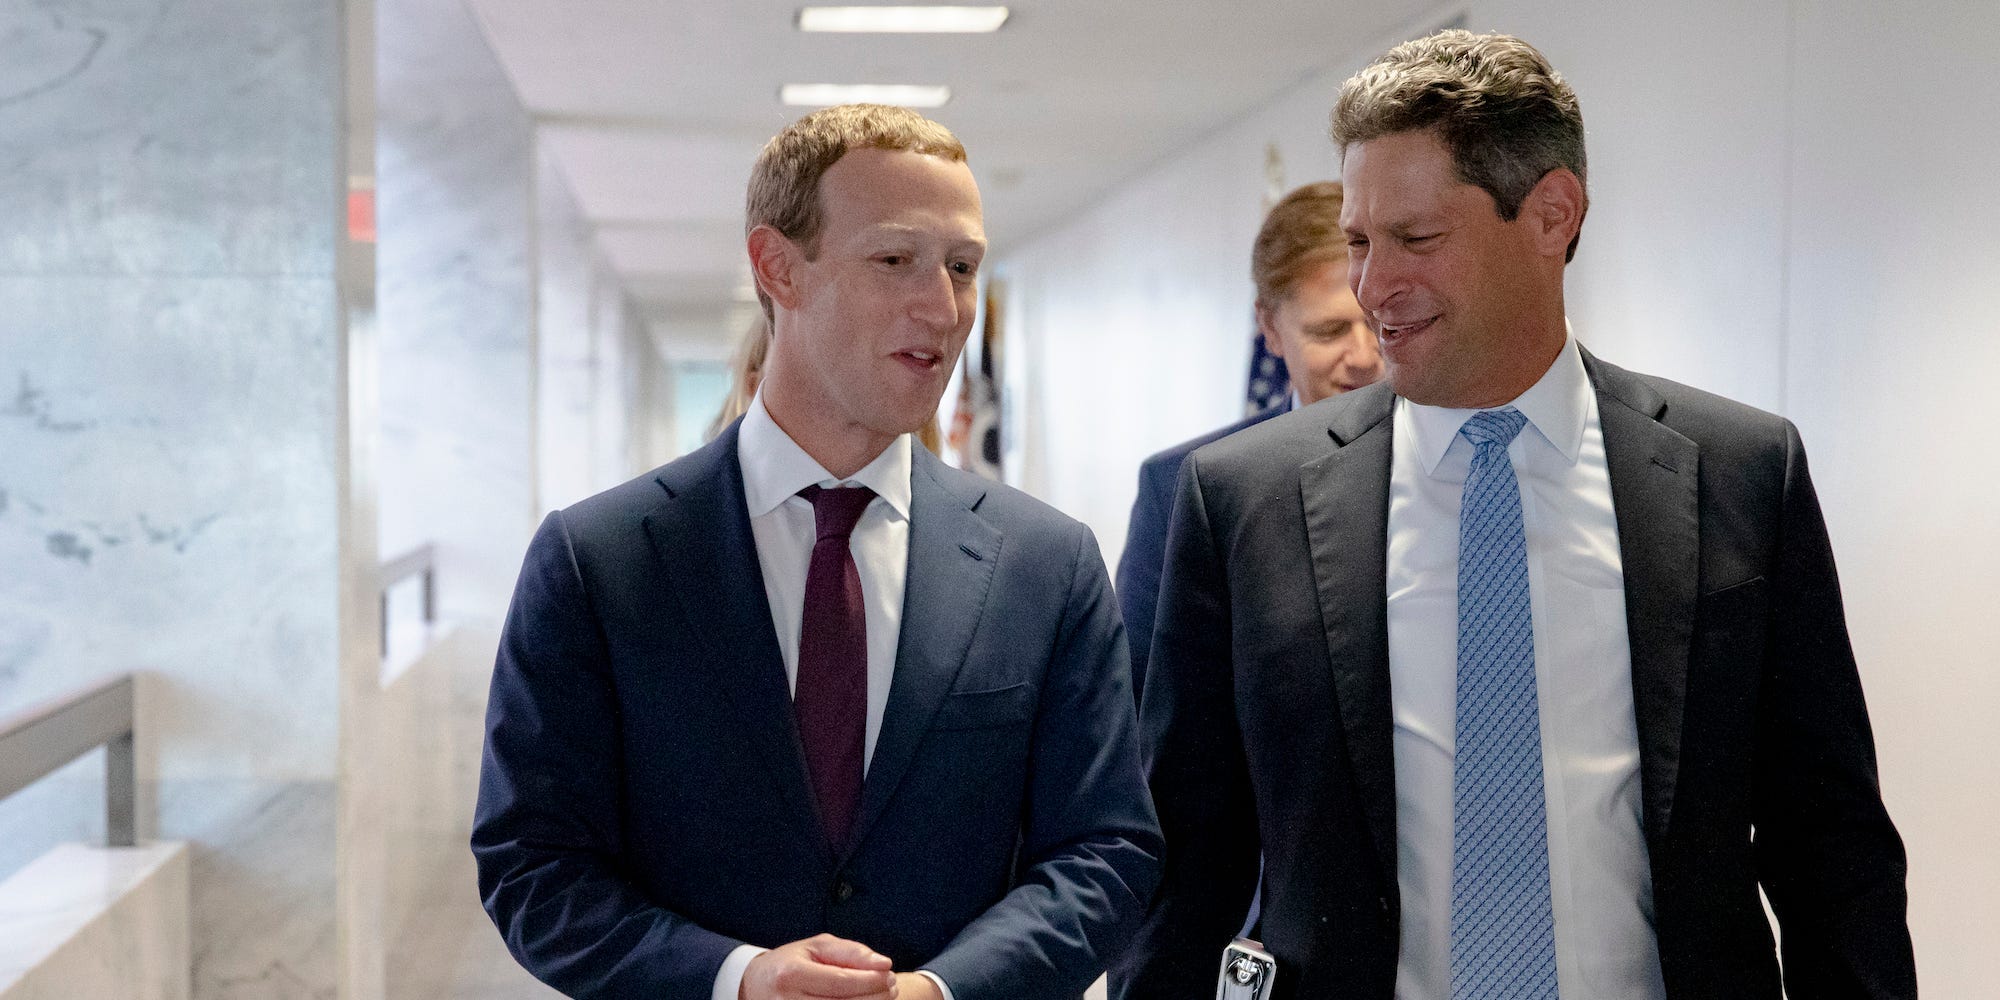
{"type": "Point", "coordinates": [836, 511]}
{"type": "Point", "coordinates": [1493, 427]}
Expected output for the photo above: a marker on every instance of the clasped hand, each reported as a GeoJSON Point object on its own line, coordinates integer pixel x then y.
{"type": "Point", "coordinates": [827, 966]}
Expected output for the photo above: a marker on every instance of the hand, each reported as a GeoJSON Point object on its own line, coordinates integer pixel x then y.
{"type": "Point", "coordinates": [819, 966]}
{"type": "Point", "coordinates": [910, 986]}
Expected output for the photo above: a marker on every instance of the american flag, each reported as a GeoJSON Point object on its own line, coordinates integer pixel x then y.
{"type": "Point", "coordinates": [975, 423]}
{"type": "Point", "coordinates": [1270, 382]}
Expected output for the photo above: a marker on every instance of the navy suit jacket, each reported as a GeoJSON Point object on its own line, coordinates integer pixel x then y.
{"type": "Point", "coordinates": [644, 806]}
{"type": "Point", "coordinates": [1269, 729]}
{"type": "Point", "coordinates": [1146, 539]}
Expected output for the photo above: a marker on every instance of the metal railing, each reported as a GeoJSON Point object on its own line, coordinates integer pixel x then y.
{"type": "Point", "coordinates": [421, 560]}
{"type": "Point", "coordinates": [38, 740]}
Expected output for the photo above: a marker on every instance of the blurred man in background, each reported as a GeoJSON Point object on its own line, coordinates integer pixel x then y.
{"type": "Point", "coordinates": [1308, 316]}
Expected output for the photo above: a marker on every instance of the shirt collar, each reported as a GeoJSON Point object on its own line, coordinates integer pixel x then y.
{"type": "Point", "coordinates": [775, 468]}
{"type": "Point", "coordinates": [1557, 407]}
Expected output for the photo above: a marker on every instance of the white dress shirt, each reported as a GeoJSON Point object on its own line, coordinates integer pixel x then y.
{"type": "Point", "coordinates": [775, 469]}
{"type": "Point", "coordinates": [1600, 886]}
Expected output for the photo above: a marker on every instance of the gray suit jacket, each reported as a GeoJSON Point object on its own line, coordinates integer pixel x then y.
{"type": "Point", "coordinates": [1267, 723]}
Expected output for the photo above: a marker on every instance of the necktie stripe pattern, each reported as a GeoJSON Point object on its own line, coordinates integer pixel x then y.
{"type": "Point", "coordinates": [1502, 922]}
{"type": "Point", "coordinates": [830, 698]}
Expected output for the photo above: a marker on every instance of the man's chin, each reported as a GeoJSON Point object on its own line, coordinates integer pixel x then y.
{"type": "Point", "coordinates": [1410, 383]}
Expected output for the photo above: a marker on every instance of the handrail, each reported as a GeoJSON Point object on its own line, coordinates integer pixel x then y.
{"type": "Point", "coordinates": [420, 560]}
{"type": "Point", "coordinates": [42, 738]}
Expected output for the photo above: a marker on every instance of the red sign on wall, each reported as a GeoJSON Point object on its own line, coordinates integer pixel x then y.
{"type": "Point", "coordinates": [361, 216]}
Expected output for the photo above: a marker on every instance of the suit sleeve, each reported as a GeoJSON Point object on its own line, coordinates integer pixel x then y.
{"type": "Point", "coordinates": [1197, 771]}
{"type": "Point", "coordinates": [1140, 565]}
{"type": "Point", "coordinates": [1090, 845]}
{"type": "Point", "coordinates": [546, 834]}
{"type": "Point", "coordinates": [1827, 854]}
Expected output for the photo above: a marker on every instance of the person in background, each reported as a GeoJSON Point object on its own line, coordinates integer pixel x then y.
{"type": "Point", "coordinates": [1307, 315]}
{"type": "Point", "coordinates": [746, 370]}
{"type": "Point", "coordinates": [1522, 673]}
{"type": "Point", "coordinates": [808, 713]}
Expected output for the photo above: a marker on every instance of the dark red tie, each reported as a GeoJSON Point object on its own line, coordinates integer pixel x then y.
{"type": "Point", "coordinates": [831, 697]}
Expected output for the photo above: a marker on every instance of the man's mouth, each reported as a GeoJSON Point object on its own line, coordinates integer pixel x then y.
{"type": "Point", "coordinates": [1397, 331]}
{"type": "Point", "coordinates": [920, 360]}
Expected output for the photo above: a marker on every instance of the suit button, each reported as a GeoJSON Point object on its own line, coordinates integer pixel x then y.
{"type": "Point", "coordinates": [844, 891]}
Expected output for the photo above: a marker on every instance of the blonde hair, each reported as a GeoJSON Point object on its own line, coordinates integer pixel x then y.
{"type": "Point", "coordinates": [1506, 115]}
{"type": "Point", "coordinates": [1301, 232]}
{"type": "Point", "coordinates": [784, 183]}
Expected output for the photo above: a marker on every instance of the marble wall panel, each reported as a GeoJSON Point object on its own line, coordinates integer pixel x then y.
{"type": "Point", "coordinates": [156, 137]}
{"type": "Point", "coordinates": [565, 257]}
{"type": "Point", "coordinates": [169, 365]}
{"type": "Point", "coordinates": [263, 890]}
{"type": "Point", "coordinates": [454, 198]}
{"type": "Point", "coordinates": [612, 396]}
{"type": "Point", "coordinates": [84, 921]}
{"type": "Point", "coordinates": [169, 505]}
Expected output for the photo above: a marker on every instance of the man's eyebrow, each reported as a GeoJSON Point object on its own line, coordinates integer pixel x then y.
{"type": "Point", "coordinates": [898, 229]}
{"type": "Point", "coordinates": [1404, 226]}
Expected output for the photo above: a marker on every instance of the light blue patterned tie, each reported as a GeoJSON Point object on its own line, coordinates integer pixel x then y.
{"type": "Point", "coordinates": [1503, 944]}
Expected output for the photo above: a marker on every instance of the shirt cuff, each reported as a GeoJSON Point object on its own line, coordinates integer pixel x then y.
{"type": "Point", "coordinates": [932, 976]}
{"type": "Point", "coordinates": [729, 980]}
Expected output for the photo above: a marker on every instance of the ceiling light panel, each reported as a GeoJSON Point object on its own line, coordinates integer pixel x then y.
{"type": "Point", "coordinates": [934, 20]}
{"type": "Point", "coordinates": [821, 95]}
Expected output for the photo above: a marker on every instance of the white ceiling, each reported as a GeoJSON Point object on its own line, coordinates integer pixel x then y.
{"type": "Point", "coordinates": [654, 109]}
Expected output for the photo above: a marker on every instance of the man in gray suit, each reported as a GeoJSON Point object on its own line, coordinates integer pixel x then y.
{"type": "Point", "coordinates": [1524, 672]}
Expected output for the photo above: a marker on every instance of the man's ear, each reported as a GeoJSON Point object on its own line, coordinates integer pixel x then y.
{"type": "Point", "coordinates": [1267, 324]}
{"type": "Point", "coordinates": [1555, 208]}
{"type": "Point", "coordinates": [773, 260]}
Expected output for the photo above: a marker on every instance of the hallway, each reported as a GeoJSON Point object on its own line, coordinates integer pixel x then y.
{"type": "Point", "coordinates": [294, 293]}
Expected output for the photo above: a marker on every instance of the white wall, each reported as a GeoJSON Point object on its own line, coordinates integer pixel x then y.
{"type": "Point", "coordinates": [597, 398]}
{"type": "Point", "coordinates": [1791, 206]}
{"type": "Point", "coordinates": [1893, 350]}
{"type": "Point", "coordinates": [455, 165]}
{"type": "Point", "coordinates": [1130, 329]}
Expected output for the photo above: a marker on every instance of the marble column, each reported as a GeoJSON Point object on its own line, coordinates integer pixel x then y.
{"type": "Point", "coordinates": [171, 356]}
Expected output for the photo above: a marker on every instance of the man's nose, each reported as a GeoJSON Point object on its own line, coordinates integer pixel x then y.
{"type": "Point", "coordinates": [1378, 278]}
{"type": "Point", "coordinates": [1366, 356]}
{"type": "Point", "coordinates": [934, 300]}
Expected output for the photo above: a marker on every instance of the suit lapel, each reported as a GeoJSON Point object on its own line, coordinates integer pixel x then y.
{"type": "Point", "coordinates": [952, 554]}
{"type": "Point", "coordinates": [1655, 493]}
{"type": "Point", "coordinates": [1345, 495]}
{"type": "Point", "coordinates": [701, 533]}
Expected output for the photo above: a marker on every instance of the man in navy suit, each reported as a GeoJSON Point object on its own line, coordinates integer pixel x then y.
{"type": "Point", "coordinates": [807, 712]}
{"type": "Point", "coordinates": [1308, 316]}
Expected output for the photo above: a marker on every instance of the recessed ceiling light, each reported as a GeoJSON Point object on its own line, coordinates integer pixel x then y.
{"type": "Point", "coordinates": [956, 20]}
{"type": "Point", "coordinates": [822, 95]}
